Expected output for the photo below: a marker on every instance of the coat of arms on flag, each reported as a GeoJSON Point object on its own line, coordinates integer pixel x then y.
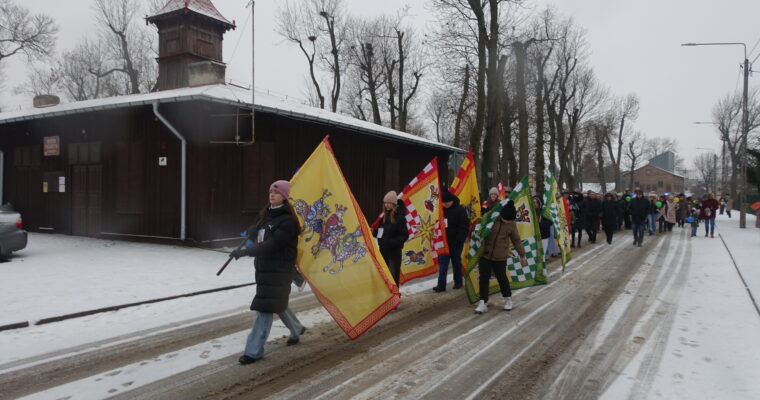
{"type": "Point", "coordinates": [465, 187]}
{"type": "Point", "coordinates": [336, 251]}
{"type": "Point", "coordinates": [520, 276]}
{"type": "Point", "coordinates": [424, 219]}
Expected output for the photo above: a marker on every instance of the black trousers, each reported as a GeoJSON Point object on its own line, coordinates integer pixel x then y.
{"type": "Point", "coordinates": [499, 268]}
{"type": "Point", "coordinates": [609, 230]}
{"type": "Point", "coordinates": [393, 260]}
{"type": "Point", "coordinates": [591, 229]}
{"type": "Point", "coordinates": [579, 231]}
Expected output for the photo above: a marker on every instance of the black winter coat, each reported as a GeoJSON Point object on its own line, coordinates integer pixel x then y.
{"type": "Point", "coordinates": [275, 259]}
{"type": "Point", "coordinates": [457, 224]}
{"type": "Point", "coordinates": [545, 226]}
{"type": "Point", "coordinates": [394, 234]}
{"type": "Point", "coordinates": [640, 209]}
{"type": "Point", "coordinates": [593, 210]}
{"type": "Point", "coordinates": [610, 212]}
{"type": "Point", "coordinates": [578, 208]}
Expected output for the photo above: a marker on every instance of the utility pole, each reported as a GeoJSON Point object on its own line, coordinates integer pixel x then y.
{"type": "Point", "coordinates": [743, 148]}
{"type": "Point", "coordinates": [745, 131]}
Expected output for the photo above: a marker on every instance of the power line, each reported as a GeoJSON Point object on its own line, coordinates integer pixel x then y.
{"type": "Point", "coordinates": [755, 46]}
{"type": "Point", "coordinates": [245, 25]}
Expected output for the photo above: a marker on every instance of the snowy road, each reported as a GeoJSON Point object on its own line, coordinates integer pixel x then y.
{"type": "Point", "coordinates": [670, 320]}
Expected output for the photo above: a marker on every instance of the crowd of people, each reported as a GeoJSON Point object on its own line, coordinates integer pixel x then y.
{"type": "Point", "coordinates": [274, 240]}
{"type": "Point", "coordinates": [641, 213]}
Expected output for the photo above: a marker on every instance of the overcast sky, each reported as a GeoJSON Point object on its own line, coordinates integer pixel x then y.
{"type": "Point", "coordinates": [634, 48]}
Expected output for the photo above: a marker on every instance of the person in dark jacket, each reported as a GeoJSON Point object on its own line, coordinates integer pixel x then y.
{"type": "Point", "coordinates": [457, 227]}
{"type": "Point", "coordinates": [274, 251]}
{"type": "Point", "coordinates": [392, 233]}
{"type": "Point", "coordinates": [578, 217]}
{"type": "Point", "coordinates": [494, 259]}
{"type": "Point", "coordinates": [593, 211]}
{"type": "Point", "coordinates": [707, 213]}
{"type": "Point", "coordinates": [610, 216]}
{"type": "Point", "coordinates": [545, 226]}
{"type": "Point", "coordinates": [640, 211]}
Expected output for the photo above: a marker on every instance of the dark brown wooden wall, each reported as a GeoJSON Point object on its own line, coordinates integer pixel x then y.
{"type": "Point", "coordinates": [227, 184]}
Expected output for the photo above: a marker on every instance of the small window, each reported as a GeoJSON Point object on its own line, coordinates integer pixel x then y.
{"type": "Point", "coordinates": [648, 171]}
{"type": "Point", "coordinates": [660, 184]}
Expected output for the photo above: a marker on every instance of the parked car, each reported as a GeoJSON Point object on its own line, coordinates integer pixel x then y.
{"type": "Point", "coordinates": [12, 234]}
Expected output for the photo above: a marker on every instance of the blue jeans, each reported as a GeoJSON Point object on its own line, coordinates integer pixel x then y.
{"type": "Point", "coordinates": [456, 261]}
{"type": "Point", "coordinates": [709, 226]}
{"type": "Point", "coordinates": [651, 219]}
{"type": "Point", "coordinates": [638, 230]}
{"type": "Point", "coordinates": [694, 229]}
{"type": "Point", "coordinates": [254, 346]}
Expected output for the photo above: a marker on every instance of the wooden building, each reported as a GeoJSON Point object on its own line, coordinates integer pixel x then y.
{"type": "Point", "coordinates": [180, 164]}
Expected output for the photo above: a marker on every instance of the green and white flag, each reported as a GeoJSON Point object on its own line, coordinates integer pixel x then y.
{"type": "Point", "coordinates": [554, 210]}
{"type": "Point", "coordinates": [520, 276]}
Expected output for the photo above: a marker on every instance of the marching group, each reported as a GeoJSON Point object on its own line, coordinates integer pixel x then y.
{"type": "Point", "coordinates": [274, 241]}
{"type": "Point", "coordinates": [652, 213]}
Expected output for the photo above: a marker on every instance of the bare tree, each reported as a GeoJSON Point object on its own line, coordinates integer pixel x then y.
{"type": "Point", "coordinates": [22, 32]}
{"type": "Point", "coordinates": [318, 27]}
{"type": "Point", "coordinates": [440, 109]}
{"type": "Point", "coordinates": [40, 79]}
{"type": "Point", "coordinates": [727, 118]}
{"type": "Point", "coordinates": [366, 55]}
{"type": "Point", "coordinates": [706, 166]}
{"type": "Point", "coordinates": [131, 45]}
{"type": "Point", "coordinates": [634, 151]}
{"type": "Point", "coordinates": [625, 110]}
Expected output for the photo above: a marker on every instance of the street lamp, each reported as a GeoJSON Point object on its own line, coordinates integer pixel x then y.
{"type": "Point", "coordinates": [745, 129]}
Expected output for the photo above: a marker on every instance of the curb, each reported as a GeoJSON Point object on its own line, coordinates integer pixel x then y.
{"type": "Point", "coordinates": [746, 287]}
{"type": "Point", "coordinates": [48, 320]}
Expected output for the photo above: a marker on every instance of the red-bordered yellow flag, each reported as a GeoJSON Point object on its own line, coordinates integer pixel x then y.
{"type": "Point", "coordinates": [465, 187]}
{"type": "Point", "coordinates": [336, 251]}
{"type": "Point", "coordinates": [425, 221]}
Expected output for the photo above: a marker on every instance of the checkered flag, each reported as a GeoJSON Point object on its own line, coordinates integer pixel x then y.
{"type": "Point", "coordinates": [517, 271]}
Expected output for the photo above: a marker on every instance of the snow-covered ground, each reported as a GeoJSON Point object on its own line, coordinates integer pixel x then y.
{"type": "Point", "coordinates": [713, 348]}
{"type": "Point", "coordinates": [59, 274]}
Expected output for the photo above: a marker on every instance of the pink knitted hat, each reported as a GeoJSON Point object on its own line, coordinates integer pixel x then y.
{"type": "Point", "coordinates": [282, 187]}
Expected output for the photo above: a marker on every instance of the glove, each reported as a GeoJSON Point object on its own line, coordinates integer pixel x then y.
{"type": "Point", "coordinates": [237, 253]}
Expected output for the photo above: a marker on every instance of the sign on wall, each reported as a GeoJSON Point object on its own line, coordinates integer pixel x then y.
{"type": "Point", "coordinates": [51, 146]}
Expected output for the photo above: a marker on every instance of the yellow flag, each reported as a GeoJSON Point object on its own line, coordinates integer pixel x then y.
{"type": "Point", "coordinates": [425, 222]}
{"type": "Point", "coordinates": [337, 254]}
{"type": "Point", "coordinates": [465, 186]}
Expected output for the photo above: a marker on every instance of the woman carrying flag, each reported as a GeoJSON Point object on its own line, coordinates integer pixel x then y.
{"type": "Point", "coordinates": [275, 255]}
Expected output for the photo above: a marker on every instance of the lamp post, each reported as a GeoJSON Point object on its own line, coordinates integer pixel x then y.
{"type": "Point", "coordinates": [745, 129]}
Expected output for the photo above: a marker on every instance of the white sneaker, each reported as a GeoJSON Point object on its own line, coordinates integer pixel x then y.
{"type": "Point", "coordinates": [481, 308]}
{"type": "Point", "coordinates": [507, 304]}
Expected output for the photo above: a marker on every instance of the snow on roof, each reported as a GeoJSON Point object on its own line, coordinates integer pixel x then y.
{"type": "Point", "coordinates": [203, 7]}
{"type": "Point", "coordinates": [221, 93]}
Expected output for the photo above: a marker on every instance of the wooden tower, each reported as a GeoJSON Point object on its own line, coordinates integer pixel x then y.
{"type": "Point", "coordinates": [189, 32]}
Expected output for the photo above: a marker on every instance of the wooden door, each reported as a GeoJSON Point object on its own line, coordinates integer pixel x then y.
{"type": "Point", "coordinates": [86, 200]}
{"type": "Point", "coordinates": [93, 199]}
{"type": "Point", "coordinates": [79, 200]}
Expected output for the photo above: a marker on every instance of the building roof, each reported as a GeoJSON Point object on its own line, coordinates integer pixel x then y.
{"type": "Point", "coordinates": [226, 94]}
{"type": "Point", "coordinates": [648, 166]}
{"type": "Point", "coordinates": [202, 7]}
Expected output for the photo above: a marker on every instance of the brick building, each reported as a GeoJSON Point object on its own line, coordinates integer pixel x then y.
{"type": "Point", "coordinates": [654, 179]}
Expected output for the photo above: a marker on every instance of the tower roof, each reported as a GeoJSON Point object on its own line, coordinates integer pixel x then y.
{"type": "Point", "coordinates": [202, 7]}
